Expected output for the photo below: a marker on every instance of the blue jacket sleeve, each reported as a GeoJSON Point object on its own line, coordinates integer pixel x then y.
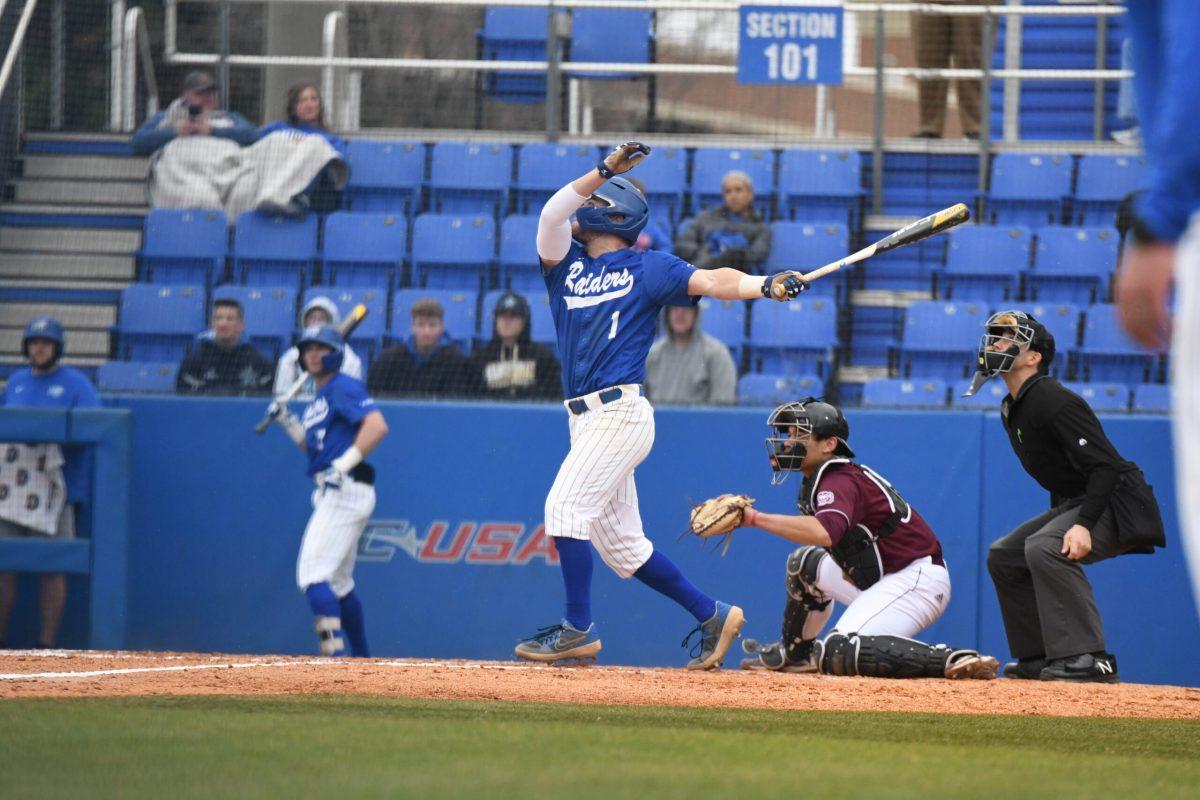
{"type": "Point", "coordinates": [242, 131]}
{"type": "Point", "coordinates": [1167, 87]}
{"type": "Point", "coordinates": [149, 137]}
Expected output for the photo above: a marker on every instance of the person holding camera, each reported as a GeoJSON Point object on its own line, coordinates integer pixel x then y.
{"type": "Point", "coordinates": [193, 113]}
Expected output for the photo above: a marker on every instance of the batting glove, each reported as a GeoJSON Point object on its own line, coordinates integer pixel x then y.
{"type": "Point", "coordinates": [622, 159]}
{"type": "Point", "coordinates": [331, 478]}
{"type": "Point", "coordinates": [783, 286]}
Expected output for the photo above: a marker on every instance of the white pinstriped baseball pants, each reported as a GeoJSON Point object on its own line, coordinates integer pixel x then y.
{"type": "Point", "coordinates": [594, 496]}
{"type": "Point", "coordinates": [1185, 395]}
{"type": "Point", "coordinates": [900, 603]}
{"type": "Point", "coordinates": [330, 543]}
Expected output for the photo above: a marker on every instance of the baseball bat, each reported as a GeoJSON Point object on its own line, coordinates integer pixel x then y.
{"type": "Point", "coordinates": [345, 327]}
{"type": "Point", "coordinates": [923, 228]}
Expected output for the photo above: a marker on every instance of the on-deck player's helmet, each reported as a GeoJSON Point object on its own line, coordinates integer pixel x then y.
{"type": "Point", "coordinates": [624, 201]}
{"type": "Point", "coordinates": [809, 416]}
{"type": "Point", "coordinates": [328, 336]}
{"type": "Point", "coordinates": [44, 328]}
{"type": "Point", "coordinates": [1019, 332]}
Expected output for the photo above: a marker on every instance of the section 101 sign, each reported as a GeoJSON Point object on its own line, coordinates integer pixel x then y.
{"type": "Point", "coordinates": [790, 44]}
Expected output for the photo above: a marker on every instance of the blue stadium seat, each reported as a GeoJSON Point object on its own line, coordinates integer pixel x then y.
{"type": "Point", "coordinates": [274, 250]}
{"type": "Point", "coordinates": [514, 34]}
{"type": "Point", "coordinates": [1102, 183]}
{"type": "Point", "coordinates": [1108, 354]}
{"type": "Point", "coordinates": [1102, 397]}
{"type": "Point", "coordinates": [761, 389]}
{"type": "Point", "coordinates": [459, 307]}
{"type": "Point", "coordinates": [453, 252]}
{"type": "Point", "coordinates": [1152, 398]}
{"type": "Point", "coordinates": [1028, 189]}
{"type": "Point", "coordinates": [794, 338]}
{"type": "Point", "coordinates": [385, 176]}
{"type": "Point", "coordinates": [939, 338]}
{"type": "Point", "coordinates": [725, 320]}
{"type": "Point", "coordinates": [184, 246]}
{"type": "Point", "coordinates": [1072, 265]}
{"type": "Point", "coordinates": [986, 262]}
{"type": "Point", "coordinates": [544, 168]}
{"type": "Point", "coordinates": [137, 376]}
{"type": "Point", "coordinates": [364, 249]}
{"type": "Point", "coordinates": [269, 311]}
{"type": "Point", "coordinates": [367, 338]}
{"type": "Point", "coordinates": [820, 185]}
{"type": "Point", "coordinates": [470, 177]}
{"type": "Point", "coordinates": [520, 266]}
{"type": "Point", "coordinates": [806, 246]}
{"type": "Point", "coordinates": [618, 36]}
{"type": "Point", "coordinates": [904, 393]}
{"type": "Point", "coordinates": [541, 321]}
{"type": "Point", "coordinates": [989, 396]}
{"type": "Point", "coordinates": [159, 322]}
{"type": "Point", "coordinates": [664, 175]}
{"type": "Point", "coordinates": [1062, 321]}
{"type": "Point", "coordinates": [710, 165]}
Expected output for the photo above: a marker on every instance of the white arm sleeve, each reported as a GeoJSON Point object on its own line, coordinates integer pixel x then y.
{"type": "Point", "coordinates": [554, 226]}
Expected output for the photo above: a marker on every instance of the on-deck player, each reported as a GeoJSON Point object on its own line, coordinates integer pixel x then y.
{"type": "Point", "coordinates": [340, 427]}
{"type": "Point", "coordinates": [862, 545]}
{"type": "Point", "coordinates": [605, 299]}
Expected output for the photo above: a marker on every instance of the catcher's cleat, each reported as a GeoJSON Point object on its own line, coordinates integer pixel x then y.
{"type": "Point", "coordinates": [772, 658]}
{"type": "Point", "coordinates": [1026, 669]}
{"type": "Point", "coordinates": [560, 643]}
{"type": "Point", "coordinates": [716, 635]}
{"type": "Point", "coordinates": [970, 665]}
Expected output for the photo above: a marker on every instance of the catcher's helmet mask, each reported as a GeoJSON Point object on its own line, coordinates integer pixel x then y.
{"type": "Point", "coordinates": [328, 336]}
{"type": "Point", "coordinates": [1007, 336]}
{"type": "Point", "coordinates": [806, 418]}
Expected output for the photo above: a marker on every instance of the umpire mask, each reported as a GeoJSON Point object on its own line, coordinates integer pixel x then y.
{"type": "Point", "coordinates": [1008, 335]}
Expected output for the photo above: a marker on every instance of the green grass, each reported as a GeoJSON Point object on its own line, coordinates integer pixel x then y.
{"type": "Point", "coordinates": [349, 746]}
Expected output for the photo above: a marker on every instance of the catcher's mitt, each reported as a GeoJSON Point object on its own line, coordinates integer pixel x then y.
{"type": "Point", "coordinates": [720, 516]}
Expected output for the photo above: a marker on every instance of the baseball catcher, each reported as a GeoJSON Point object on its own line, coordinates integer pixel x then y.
{"type": "Point", "coordinates": [860, 544]}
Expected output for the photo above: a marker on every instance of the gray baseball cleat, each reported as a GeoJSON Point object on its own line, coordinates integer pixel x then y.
{"type": "Point", "coordinates": [716, 635]}
{"type": "Point", "coordinates": [560, 643]}
{"type": "Point", "coordinates": [772, 658]}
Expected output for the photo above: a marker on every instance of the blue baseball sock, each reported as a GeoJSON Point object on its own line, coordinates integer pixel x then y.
{"type": "Point", "coordinates": [575, 558]}
{"type": "Point", "coordinates": [354, 625]}
{"type": "Point", "coordinates": [661, 575]}
{"type": "Point", "coordinates": [328, 611]}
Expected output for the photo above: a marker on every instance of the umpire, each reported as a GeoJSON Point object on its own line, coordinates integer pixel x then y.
{"type": "Point", "coordinates": [1100, 507]}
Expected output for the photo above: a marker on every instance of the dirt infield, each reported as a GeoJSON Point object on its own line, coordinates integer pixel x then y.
{"type": "Point", "coordinates": [62, 674]}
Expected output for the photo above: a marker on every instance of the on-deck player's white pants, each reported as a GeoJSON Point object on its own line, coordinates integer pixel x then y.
{"type": "Point", "coordinates": [330, 542]}
{"type": "Point", "coordinates": [1185, 394]}
{"type": "Point", "coordinates": [901, 603]}
{"type": "Point", "coordinates": [593, 496]}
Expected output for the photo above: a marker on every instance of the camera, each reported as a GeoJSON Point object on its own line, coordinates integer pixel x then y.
{"type": "Point", "coordinates": [195, 110]}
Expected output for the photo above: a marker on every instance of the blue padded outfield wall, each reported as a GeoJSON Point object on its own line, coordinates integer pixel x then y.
{"type": "Point", "coordinates": [454, 565]}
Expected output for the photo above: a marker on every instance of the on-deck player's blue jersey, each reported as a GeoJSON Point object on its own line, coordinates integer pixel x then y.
{"type": "Point", "coordinates": [65, 387]}
{"type": "Point", "coordinates": [605, 310]}
{"type": "Point", "coordinates": [331, 420]}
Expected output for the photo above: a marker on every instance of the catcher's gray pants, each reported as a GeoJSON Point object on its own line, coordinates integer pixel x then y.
{"type": "Point", "coordinates": [1045, 598]}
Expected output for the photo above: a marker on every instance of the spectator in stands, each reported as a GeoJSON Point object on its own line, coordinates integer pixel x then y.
{"type": "Point", "coordinates": [319, 311]}
{"type": "Point", "coordinates": [427, 363]}
{"type": "Point", "coordinates": [939, 39]}
{"type": "Point", "coordinates": [222, 363]}
{"type": "Point", "coordinates": [687, 366]}
{"type": "Point", "coordinates": [511, 366]}
{"type": "Point", "coordinates": [37, 506]}
{"type": "Point", "coordinates": [193, 113]}
{"type": "Point", "coordinates": [306, 117]}
{"type": "Point", "coordinates": [655, 235]}
{"type": "Point", "coordinates": [730, 235]}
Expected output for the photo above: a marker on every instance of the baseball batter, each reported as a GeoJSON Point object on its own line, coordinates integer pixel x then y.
{"type": "Point", "coordinates": [605, 298]}
{"type": "Point", "coordinates": [861, 545]}
{"type": "Point", "coordinates": [339, 428]}
{"type": "Point", "coordinates": [1166, 232]}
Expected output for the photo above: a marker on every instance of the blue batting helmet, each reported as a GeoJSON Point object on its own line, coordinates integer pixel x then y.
{"type": "Point", "coordinates": [44, 328]}
{"type": "Point", "coordinates": [625, 201]}
{"type": "Point", "coordinates": [328, 336]}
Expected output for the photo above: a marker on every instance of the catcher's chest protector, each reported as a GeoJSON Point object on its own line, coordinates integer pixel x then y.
{"type": "Point", "coordinates": [857, 553]}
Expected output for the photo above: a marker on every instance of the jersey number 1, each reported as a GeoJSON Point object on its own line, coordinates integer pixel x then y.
{"type": "Point", "coordinates": [612, 332]}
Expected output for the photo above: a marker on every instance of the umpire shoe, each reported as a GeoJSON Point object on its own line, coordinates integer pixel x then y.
{"type": "Point", "coordinates": [1025, 669]}
{"type": "Point", "coordinates": [716, 635]}
{"type": "Point", "coordinates": [771, 657]}
{"type": "Point", "coordinates": [1084, 668]}
{"type": "Point", "coordinates": [562, 642]}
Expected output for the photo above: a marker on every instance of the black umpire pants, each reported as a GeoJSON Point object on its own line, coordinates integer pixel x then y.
{"type": "Point", "coordinates": [1045, 598]}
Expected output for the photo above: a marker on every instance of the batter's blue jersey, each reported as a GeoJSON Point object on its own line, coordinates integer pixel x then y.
{"type": "Point", "coordinates": [605, 310]}
{"type": "Point", "coordinates": [65, 387]}
{"type": "Point", "coordinates": [331, 420]}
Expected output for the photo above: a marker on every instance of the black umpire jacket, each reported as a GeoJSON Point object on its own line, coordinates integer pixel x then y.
{"type": "Point", "coordinates": [1058, 439]}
